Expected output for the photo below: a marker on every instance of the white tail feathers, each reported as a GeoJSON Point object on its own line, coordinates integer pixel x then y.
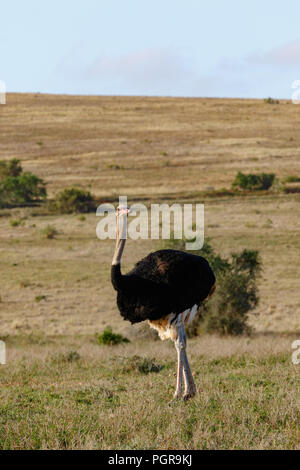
{"type": "Point", "coordinates": [189, 315]}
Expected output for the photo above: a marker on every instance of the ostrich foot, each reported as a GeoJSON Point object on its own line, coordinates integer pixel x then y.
{"type": "Point", "coordinates": [177, 395]}
{"type": "Point", "coordinates": [188, 395]}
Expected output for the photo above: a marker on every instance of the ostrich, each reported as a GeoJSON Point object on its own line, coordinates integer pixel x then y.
{"type": "Point", "coordinates": [165, 288]}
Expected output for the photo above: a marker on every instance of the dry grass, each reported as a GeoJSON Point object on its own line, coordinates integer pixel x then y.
{"type": "Point", "coordinates": [175, 145]}
{"type": "Point", "coordinates": [168, 148]}
{"type": "Point", "coordinates": [72, 269]}
{"type": "Point", "coordinates": [151, 150]}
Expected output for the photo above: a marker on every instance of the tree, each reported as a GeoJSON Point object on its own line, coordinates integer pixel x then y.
{"type": "Point", "coordinates": [18, 187]}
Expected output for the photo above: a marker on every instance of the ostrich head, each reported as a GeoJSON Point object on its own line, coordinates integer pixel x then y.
{"type": "Point", "coordinates": [121, 232]}
{"type": "Point", "coordinates": [122, 210]}
{"type": "Point", "coordinates": [121, 215]}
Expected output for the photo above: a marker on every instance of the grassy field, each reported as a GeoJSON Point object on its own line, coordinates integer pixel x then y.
{"type": "Point", "coordinates": [63, 393]}
{"type": "Point", "coordinates": [56, 293]}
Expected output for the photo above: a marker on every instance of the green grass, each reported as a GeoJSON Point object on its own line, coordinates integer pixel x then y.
{"type": "Point", "coordinates": [39, 298]}
{"type": "Point", "coordinates": [15, 222]}
{"type": "Point", "coordinates": [291, 179]}
{"type": "Point", "coordinates": [53, 397]}
{"type": "Point", "coordinates": [49, 232]}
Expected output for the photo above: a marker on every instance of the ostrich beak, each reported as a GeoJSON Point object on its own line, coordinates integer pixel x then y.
{"type": "Point", "coordinates": [122, 210]}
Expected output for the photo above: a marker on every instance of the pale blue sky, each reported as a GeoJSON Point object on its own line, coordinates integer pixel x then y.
{"type": "Point", "coordinates": [233, 48]}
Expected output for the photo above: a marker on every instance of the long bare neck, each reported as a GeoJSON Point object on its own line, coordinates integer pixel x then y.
{"type": "Point", "coordinates": [120, 240]}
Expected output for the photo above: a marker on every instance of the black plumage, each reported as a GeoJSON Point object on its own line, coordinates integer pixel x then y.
{"type": "Point", "coordinates": [164, 282]}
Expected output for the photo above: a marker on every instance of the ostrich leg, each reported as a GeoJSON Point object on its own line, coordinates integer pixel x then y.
{"type": "Point", "coordinates": [178, 347]}
{"type": "Point", "coordinates": [190, 387]}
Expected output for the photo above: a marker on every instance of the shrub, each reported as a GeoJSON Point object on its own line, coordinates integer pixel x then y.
{"type": "Point", "coordinates": [262, 181]}
{"type": "Point", "coordinates": [16, 222]}
{"type": "Point", "coordinates": [271, 101]}
{"type": "Point", "coordinates": [74, 200]}
{"type": "Point", "coordinates": [110, 338]}
{"type": "Point", "coordinates": [49, 232]}
{"type": "Point", "coordinates": [11, 168]}
{"type": "Point", "coordinates": [146, 366]}
{"type": "Point", "coordinates": [24, 188]}
{"type": "Point", "coordinates": [291, 190]}
{"type": "Point", "coordinates": [72, 356]}
{"type": "Point", "coordinates": [235, 296]}
{"type": "Point", "coordinates": [142, 365]}
{"type": "Point", "coordinates": [17, 187]}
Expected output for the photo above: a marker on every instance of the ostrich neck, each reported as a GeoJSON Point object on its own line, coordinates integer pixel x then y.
{"type": "Point", "coordinates": [120, 242]}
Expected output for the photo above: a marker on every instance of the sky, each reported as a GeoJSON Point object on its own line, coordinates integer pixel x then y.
{"type": "Point", "coordinates": [192, 48]}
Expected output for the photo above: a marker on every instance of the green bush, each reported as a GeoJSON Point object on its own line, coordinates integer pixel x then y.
{"type": "Point", "coordinates": [252, 182]}
{"type": "Point", "coordinates": [24, 188]}
{"type": "Point", "coordinates": [16, 222]}
{"type": "Point", "coordinates": [235, 296]}
{"type": "Point", "coordinates": [72, 356]}
{"type": "Point", "coordinates": [143, 365]}
{"type": "Point", "coordinates": [271, 101]}
{"type": "Point", "coordinates": [10, 168]}
{"type": "Point", "coordinates": [110, 338]}
{"type": "Point", "coordinates": [49, 232]}
{"type": "Point", "coordinates": [18, 187]}
{"type": "Point", "coordinates": [291, 190]}
{"type": "Point", "coordinates": [146, 366]}
{"type": "Point", "coordinates": [69, 356]}
{"type": "Point", "coordinates": [236, 293]}
{"type": "Point", "coordinates": [74, 200]}
{"type": "Point", "coordinates": [39, 298]}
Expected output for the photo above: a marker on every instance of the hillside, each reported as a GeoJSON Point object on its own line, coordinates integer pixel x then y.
{"type": "Point", "coordinates": [150, 149]}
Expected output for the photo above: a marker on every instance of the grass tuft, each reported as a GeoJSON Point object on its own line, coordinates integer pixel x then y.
{"type": "Point", "coordinates": [49, 232]}
{"type": "Point", "coordinates": [39, 298]}
{"type": "Point", "coordinates": [109, 338]}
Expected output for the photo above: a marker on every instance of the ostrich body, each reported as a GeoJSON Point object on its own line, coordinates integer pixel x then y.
{"type": "Point", "coordinates": [165, 288]}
